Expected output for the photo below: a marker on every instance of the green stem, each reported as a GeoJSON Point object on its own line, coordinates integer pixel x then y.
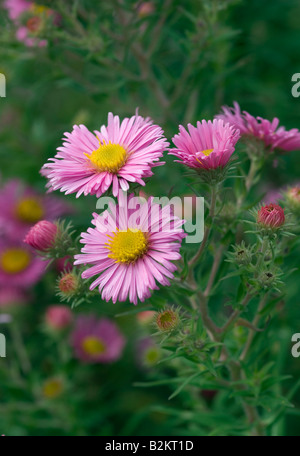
{"type": "Point", "coordinates": [251, 332]}
{"type": "Point", "coordinates": [198, 255]}
{"type": "Point", "coordinates": [20, 348]}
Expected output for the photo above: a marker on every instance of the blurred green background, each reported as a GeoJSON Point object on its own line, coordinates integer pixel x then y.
{"type": "Point", "coordinates": [180, 63]}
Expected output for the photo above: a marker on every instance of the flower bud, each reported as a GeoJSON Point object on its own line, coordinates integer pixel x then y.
{"type": "Point", "coordinates": [68, 284]}
{"type": "Point", "coordinates": [271, 216]}
{"type": "Point", "coordinates": [146, 317]}
{"type": "Point", "coordinates": [243, 256]}
{"type": "Point", "coordinates": [167, 320]}
{"type": "Point", "coordinates": [42, 236]}
{"type": "Point", "coordinates": [267, 279]}
{"type": "Point", "coordinates": [145, 9]}
{"type": "Point", "coordinates": [293, 198]}
{"type": "Point", "coordinates": [58, 317]}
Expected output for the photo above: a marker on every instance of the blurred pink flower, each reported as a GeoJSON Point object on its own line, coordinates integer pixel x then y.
{"type": "Point", "coordinates": [10, 295]}
{"type": "Point", "coordinates": [146, 316]}
{"type": "Point", "coordinates": [16, 7]}
{"type": "Point", "coordinates": [19, 267]}
{"type": "Point", "coordinates": [148, 352]}
{"type": "Point", "coordinates": [272, 196]}
{"type": "Point", "coordinates": [22, 207]}
{"type": "Point", "coordinates": [58, 317]}
{"type": "Point", "coordinates": [30, 19]}
{"type": "Point", "coordinates": [274, 137]}
{"type": "Point", "coordinates": [293, 195]}
{"type": "Point", "coordinates": [128, 257]}
{"type": "Point", "coordinates": [145, 9]}
{"type": "Point", "coordinates": [207, 146]}
{"type": "Point", "coordinates": [97, 340]}
{"type": "Point", "coordinates": [90, 163]}
{"type": "Point", "coordinates": [41, 236]}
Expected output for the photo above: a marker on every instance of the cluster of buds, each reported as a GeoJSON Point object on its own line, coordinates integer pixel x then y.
{"type": "Point", "coordinates": [50, 240]}
{"type": "Point", "coordinates": [38, 19]}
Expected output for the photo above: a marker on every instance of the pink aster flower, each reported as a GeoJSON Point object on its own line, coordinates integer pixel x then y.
{"type": "Point", "coordinates": [97, 340]}
{"type": "Point", "coordinates": [130, 251]}
{"type": "Point", "coordinates": [273, 137]}
{"type": "Point", "coordinates": [90, 163]}
{"type": "Point", "coordinates": [30, 19]}
{"type": "Point", "coordinates": [22, 207]}
{"type": "Point", "coordinates": [16, 8]}
{"type": "Point", "coordinates": [271, 216]}
{"type": "Point", "coordinates": [18, 266]}
{"type": "Point", "coordinates": [207, 146]}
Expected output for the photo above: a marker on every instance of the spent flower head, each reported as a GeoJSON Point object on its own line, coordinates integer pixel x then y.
{"type": "Point", "coordinates": [241, 255]}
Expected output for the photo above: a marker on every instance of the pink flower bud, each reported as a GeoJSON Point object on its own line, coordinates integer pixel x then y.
{"type": "Point", "coordinates": [145, 9]}
{"type": "Point", "coordinates": [42, 235]}
{"type": "Point", "coordinates": [293, 197]}
{"type": "Point", "coordinates": [271, 216]}
{"type": "Point", "coordinates": [58, 317]}
{"type": "Point", "coordinates": [68, 284]}
{"type": "Point", "coordinates": [146, 316]}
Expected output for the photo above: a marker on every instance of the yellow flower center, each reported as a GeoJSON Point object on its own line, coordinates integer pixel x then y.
{"type": "Point", "coordinates": [39, 9]}
{"type": "Point", "coordinates": [127, 246]}
{"type": "Point", "coordinates": [108, 157]}
{"type": "Point", "coordinates": [52, 388]}
{"type": "Point", "coordinates": [29, 210]}
{"type": "Point", "coordinates": [207, 152]}
{"type": "Point", "coordinates": [93, 346]}
{"type": "Point", "coordinates": [152, 356]}
{"type": "Point", "coordinates": [13, 261]}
